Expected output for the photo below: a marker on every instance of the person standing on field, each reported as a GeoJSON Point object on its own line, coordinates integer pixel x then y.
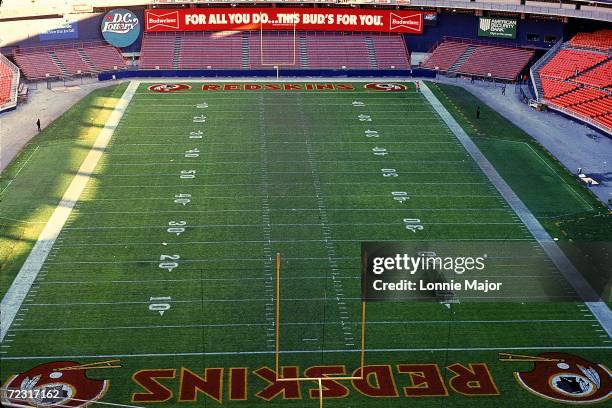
{"type": "Point", "coordinates": [38, 124]}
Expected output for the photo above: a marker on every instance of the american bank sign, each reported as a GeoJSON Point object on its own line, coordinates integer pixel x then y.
{"type": "Point", "coordinates": [120, 27]}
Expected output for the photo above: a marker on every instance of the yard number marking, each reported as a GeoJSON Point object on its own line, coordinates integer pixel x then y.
{"type": "Point", "coordinates": [159, 307]}
{"type": "Point", "coordinates": [169, 262]}
{"type": "Point", "coordinates": [364, 118]}
{"type": "Point", "coordinates": [188, 174]}
{"type": "Point", "coordinates": [182, 198]}
{"type": "Point", "coordinates": [413, 224]}
{"type": "Point", "coordinates": [192, 153]}
{"type": "Point", "coordinates": [400, 196]}
{"type": "Point", "coordinates": [176, 227]}
{"type": "Point", "coordinates": [389, 172]}
{"type": "Point", "coordinates": [199, 119]}
{"type": "Point", "coordinates": [371, 133]}
{"type": "Point", "coordinates": [195, 135]}
{"type": "Point", "coordinates": [358, 103]}
{"type": "Point", "coordinates": [379, 151]}
{"type": "Point", "coordinates": [202, 105]}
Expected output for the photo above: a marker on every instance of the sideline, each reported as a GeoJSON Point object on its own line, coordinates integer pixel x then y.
{"type": "Point", "coordinates": [28, 273]}
{"type": "Point", "coordinates": [599, 309]}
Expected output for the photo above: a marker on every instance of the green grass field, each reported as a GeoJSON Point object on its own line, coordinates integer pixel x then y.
{"type": "Point", "coordinates": [168, 259]}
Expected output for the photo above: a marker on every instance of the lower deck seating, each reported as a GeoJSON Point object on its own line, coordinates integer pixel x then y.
{"type": "Point", "coordinates": [476, 59]}
{"type": "Point", "coordinates": [578, 78]}
{"type": "Point", "coordinates": [256, 50]}
{"type": "Point", "coordinates": [445, 55]}
{"type": "Point", "coordinates": [9, 80]}
{"type": "Point", "coordinates": [67, 59]}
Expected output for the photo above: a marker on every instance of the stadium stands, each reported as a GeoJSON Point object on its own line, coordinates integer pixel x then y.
{"type": "Point", "coordinates": [553, 88]}
{"type": "Point", "coordinates": [67, 59]}
{"type": "Point", "coordinates": [251, 49]}
{"type": "Point", "coordinates": [445, 55]}
{"type": "Point", "coordinates": [203, 50]}
{"type": "Point", "coordinates": [600, 77]}
{"type": "Point", "coordinates": [473, 58]}
{"type": "Point", "coordinates": [577, 79]}
{"type": "Point", "coordinates": [567, 63]}
{"type": "Point", "coordinates": [9, 81]}
{"type": "Point", "coordinates": [598, 40]}
{"type": "Point", "coordinates": [157, 51]}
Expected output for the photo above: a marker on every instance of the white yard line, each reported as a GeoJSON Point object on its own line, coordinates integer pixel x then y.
{"type": "Point", "coordinates": [20, 287]}
{"type": "Point", "coordinates": [271, 352]}
{"type": "Point", "coordinates": [599, 309]}
{"type": "Point", "coordinates": [19, 171]}
{"type": "Point", "coordinates": [266, 228]}
{"type": "Point", "coordinates": [327, 323]}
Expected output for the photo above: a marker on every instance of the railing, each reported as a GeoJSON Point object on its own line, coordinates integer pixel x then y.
{"type": "Point", "coordinates": [14, 85]}
{"type": "Point", "coordinates": [535, 68]}
{"type": "Point", "coordinates": [482, 42]}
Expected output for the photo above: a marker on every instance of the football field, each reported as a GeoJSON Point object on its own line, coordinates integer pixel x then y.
{"type": "Point", "coordinates": [167, 262]}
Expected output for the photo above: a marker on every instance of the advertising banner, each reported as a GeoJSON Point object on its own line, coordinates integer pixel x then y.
{"type": "Point", "coordinates": [67, 31]}
{"type": "Point", "coordinates": [120, 27]}
{"type": "Point", "coordinates": [497, 27]}
{"type": "Point", "coordinates": [220, 19]}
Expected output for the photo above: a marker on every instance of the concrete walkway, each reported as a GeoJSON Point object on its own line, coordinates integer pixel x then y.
{"type": "Point", "coordinates": [573, 144]}
{"type": "Point", "coordinates": [18, 127]}
{"type": "Point", "coordinates": [599, 309]}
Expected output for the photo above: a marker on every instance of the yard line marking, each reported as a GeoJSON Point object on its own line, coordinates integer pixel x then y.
{"type": "Point", "coordinates": [357, 195]}
{"type": "Point", "coordinates": [15, 296]}
{"type": "Point", "coordinates": [265, 214]}
{"type": "Point", "coordinates": [300, 209]}
{"type": "Point", "coordinates": [19, 171]}
{"type": "Point", "coordinates": [593, 301]}
{"type": "Point", "coordinates": [318, 351]}
{"type": "Point", "coordinates": [283, 144]}
{"type": "Point", "coordinates": [322, 209]}
{"type": "Point", "coordinates": [353, 183]}
{"type": "Point", "coordinates": [101, 175]}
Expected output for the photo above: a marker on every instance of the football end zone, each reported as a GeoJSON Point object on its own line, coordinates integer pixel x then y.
{"type": "Point", "coordinates": [19, 289]}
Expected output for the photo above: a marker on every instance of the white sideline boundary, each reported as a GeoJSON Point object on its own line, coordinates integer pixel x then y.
{"type": "Point", "coordinates": [599, 309]}
{"type": "Point", "coordinates": [14, 297]}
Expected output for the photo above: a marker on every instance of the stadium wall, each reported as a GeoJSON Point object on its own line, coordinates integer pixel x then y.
{"type": "Point", "coordinates": [466, 26]}
{"type": "Point", "coordinates": [229, 73]}
{"type": "Point", "coordinates": [26, 33]}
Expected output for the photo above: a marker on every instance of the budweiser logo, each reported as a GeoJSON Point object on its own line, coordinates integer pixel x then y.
{"type": "Point", "coordinates": [411, 22]}
{"type": "Point", "coordinates": [162, 19]}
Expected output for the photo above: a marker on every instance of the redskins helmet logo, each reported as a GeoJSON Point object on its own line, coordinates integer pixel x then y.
{"type": "Point", "coordinates": [564, 377]}
{"type": "Point", "coordinates": [59, 383]}
{"type": "Point", "coordinates": [385, 87]}
{"type": "Point", "coordinates": [164, 88]}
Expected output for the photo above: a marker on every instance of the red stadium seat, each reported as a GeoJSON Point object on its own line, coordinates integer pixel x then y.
{"type": "Point", "coordinates": [9, 81]}
{"type": "Point", "coordinates": [478, 59]}
{"type": "Point", "coordinates": [252, 49]}
{"type": "Point", "coordinates": [579, 76]}
{"type": "Point", "coordinates": [68, 59]}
